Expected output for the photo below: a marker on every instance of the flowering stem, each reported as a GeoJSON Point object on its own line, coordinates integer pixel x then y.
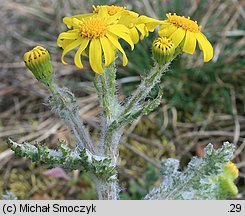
{"type": "Point", "coordinates": [115, 118]}
{"type": "Point", "coordinates": [106, 190]}
{"type": "Point", "coordinates": [105, 86]}
{"type": "Point", "coordinates": [63, 102]}
{"type": "Point", "coordinates": [145, 86]}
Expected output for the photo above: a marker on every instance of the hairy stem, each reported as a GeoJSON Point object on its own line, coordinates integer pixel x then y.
{"type": "Point", "coordinates": [145, 86]}
{"type": "Point", "coordinates": [63, 102]}
{"type": "Point", "coordinates": [114, 118]}
{"type": "Point", "coordinates": [105, 86]}
{"type": "Point", "coordinates": [106, 190]}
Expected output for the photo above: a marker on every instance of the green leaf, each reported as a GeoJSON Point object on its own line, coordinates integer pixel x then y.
{"type": "Point", "coordinates": [203, 179]}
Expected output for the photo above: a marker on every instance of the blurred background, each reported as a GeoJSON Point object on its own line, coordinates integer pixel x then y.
{"type": "Point", "coordinates": [202, 103]}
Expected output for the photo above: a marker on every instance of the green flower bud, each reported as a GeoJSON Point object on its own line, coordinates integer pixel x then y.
{"type": "Point", "coordinates": [163, 50]}
{"type": "Point", "coordinates": [227, 185]}
{"type": "Point", "coordinates": [38, 62]}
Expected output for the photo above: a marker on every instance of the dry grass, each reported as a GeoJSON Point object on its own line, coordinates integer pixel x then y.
{"type": "Point", "coordinates": [24, 117]}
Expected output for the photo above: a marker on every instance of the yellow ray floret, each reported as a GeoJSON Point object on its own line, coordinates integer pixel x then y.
{"type": "Point", "coordinates": [186, 33]}
{"type": "Point", "coordinates": [96, 35]}
{"type": "Point", "coordinates": [112, 9]}
{"type": "Point", "coordinates": [138, 24]}
{"type": "Point", "coordinates": [132, 20]}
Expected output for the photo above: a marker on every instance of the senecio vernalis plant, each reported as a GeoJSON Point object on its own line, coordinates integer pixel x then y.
{"type": "Point", "coordinates": [97, 36]}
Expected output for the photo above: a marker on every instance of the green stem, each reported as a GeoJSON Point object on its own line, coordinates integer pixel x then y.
{"type": "Point", "coordinates": [145, 87]}
{"type": "Point", "coordinates": [105, 86]}
{"type": "Point", "coordinates": [112, 113]}
{"type": "Point", "coordinates": [106, 190]}
{"type": "Point", "coordinates": [63, 102]}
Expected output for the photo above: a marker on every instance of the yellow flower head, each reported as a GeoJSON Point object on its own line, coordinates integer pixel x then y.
{"type": "Point", "coordinates": [38, 62]}
{"type": "Point", "coordinates": [98, 34]}
{"type": "Point", "coordinates": [112, 9]}
{"type": "Point", "coordinates": [131, 20]}
{"type": "Point", "coordinates": [186, 32]}
{"type": "Point", "coordinates": [163, 50]}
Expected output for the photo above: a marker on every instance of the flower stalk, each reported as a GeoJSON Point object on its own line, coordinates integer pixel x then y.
{"type": "Point", "coordinates": [105, 85]}
{"type": "Point", "coordinates": [146, 85]}
{"type": "Point", "coordinates": [63, 102]}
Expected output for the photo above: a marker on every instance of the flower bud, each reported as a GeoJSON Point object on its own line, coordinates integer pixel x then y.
{"type": "Point", "coordinates": [38, 62]}
{"type": "Point", "coordinates": [226, 180]}
{"type": "Point", "coordinates": [163, 50]}
{"type": "Point", "coordinates": [227, 185]}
